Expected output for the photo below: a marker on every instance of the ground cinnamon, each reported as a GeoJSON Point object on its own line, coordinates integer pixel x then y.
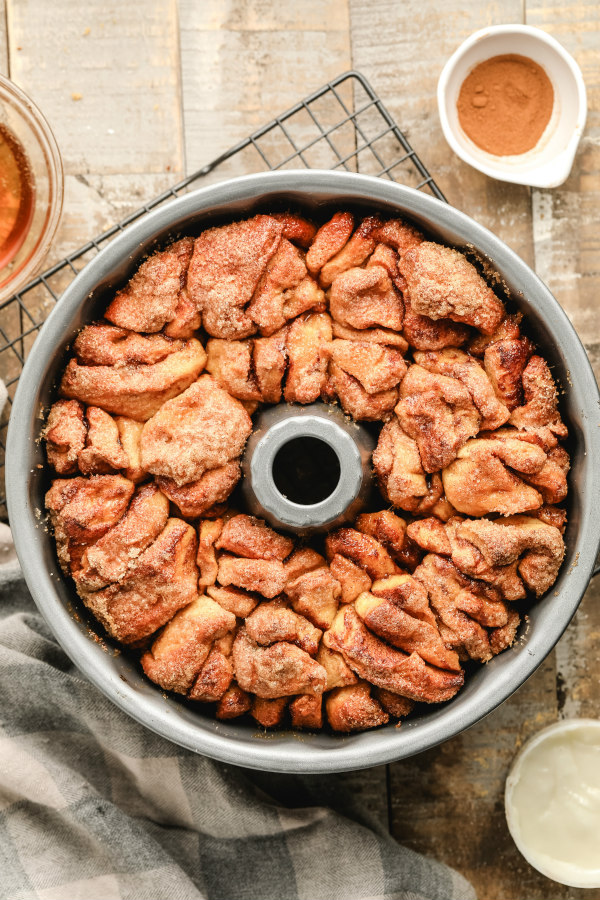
{"type": "Point", "coordinates": [505, 104]}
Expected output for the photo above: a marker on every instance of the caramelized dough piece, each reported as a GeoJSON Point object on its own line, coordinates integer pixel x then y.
{"type": "Point", "coordinates": [361, 549]}
{"type": "Point", "coordinates": [280, 670]}
{"type": "Point", "coordinates": [206, 558]}
{"type": "Point", "coordinates": [424, 333]}
{"type": "Point", "coordinates": [230, 364]}
{"type": "Point", "coordinates": [464, 607]}
{"type": "Point", "coordinates": [399, 235]}
{"type": "Point", "coordinates": [397, 463]}
{"type": "Point", "coordinates": [65, 435]}
{"type": "Point", "coordinates": [389, 621]}
{"type": "Point", "coordinates": [303, 559]}
{"type": "Point", "coordinates": [508, 329]}
{"type": "Point", "coordinates": [251, 537]}
{"type": "Point", "coordinates": [265, 576]}
{"type": "Point", "coordinates": [284, 291]}
{"type": "Point", "coordinates": [354, 253]}
{"type": "Point", "coordinates": [536, 547]}
{"type": "Point", "coordinates": [362, 298]}
{"type": "Point", "coordinates": [234, 702]}
{"type": "Point", "coordinates": [202, 429]}
{"type": "Point", "coordinates": [386, 527]}
{"type": "Point", "coordinates": [541, 399]}
{"type": "Point", "coordinates": [356, 401]}
{"type": "Point", "coordinates": [394, 704]}
{"type": "Point", "coordinates": [216, 674]}
{"type": "Point", "coordinates": [150, 298]}
{"type": "Point", "coordinates": [130, 435]}
{"type": "Point", "coordinates": [339, 674]}
{"type": "Point", "coordinates": [504, 362]}
{"type": "Point", "coordinates": [352, 579]}
{"type": "Point", "coordinates": [443, 284]}
{"type": "Point", "coordinates": [437, 412]}
{"type": "Point", "coordinates": [307, 712]}
{"type": "Point", "coordinates": [479, 480]}
{"type": "Point", "coordinates": [551, 515]}
{"type": "Point", "coordinates": [187, 319]}
{"type": "Point", "coordinates": [182, 647]}
{"type": "Point", "coordinates": [137, 391]}
{"type": "Point", "coordinates": [315, 595]}
{"type": "Point", "coordinates": [105, 345]}
{"type": "Point", "coordinates": [296, 229]}
{"type": "Point", "coordinates": [103, 452]}
{"type": "Point", "coordinates": [451, 540]}
{"type": "Point", "coordinates": [387, 667]}
{"type": "Point", "coordinates": [225, 269]}
{"type": "Point", "coordinates": [268, 713]}
{"type": "Point", "coordinates": [82, 510]}
{"type": "Point", "coordinates": [329, 240]}
{"type": "Point", "coordinates": [551, 479]}
{"type": "Point", "coordinates": [270, 362]}
{"type": "Point", "coordinates": [237, 601]}
{"type": "Point", "coordinates": [274, 621]}
{"type": "Point", "coordinates": [353, 709]}
{"type": "Point", "coordinates": [457, 364]}
{"type": "Point", "coordinates": [376, 367]}
{"type": "Point", "coordinates": [110, 557]}
{"type": "Point", "coordinates": [308, 345]}
{"type": "Point", "coordinates": [198, 498]}
{"type": "Point", "coordinates": [370, 336]}
{"type": "Point", "coordinates": [162, 580]}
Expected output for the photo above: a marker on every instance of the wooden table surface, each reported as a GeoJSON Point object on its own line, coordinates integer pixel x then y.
{"type": "Point", "coordinates": [140, 93]}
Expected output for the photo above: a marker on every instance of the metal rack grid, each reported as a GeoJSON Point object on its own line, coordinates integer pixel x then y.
{"type": "Point", "coordinates": [344, 124]}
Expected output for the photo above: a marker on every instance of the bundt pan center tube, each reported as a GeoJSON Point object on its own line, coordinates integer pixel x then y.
{"type": "Point", "coordinates": [307, 469]}
{"type": "Point", "coordinates": [315, 194]}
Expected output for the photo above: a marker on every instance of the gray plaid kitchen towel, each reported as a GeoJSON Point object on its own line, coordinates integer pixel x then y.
{"type": "Point", "coordinates": [95, 807]}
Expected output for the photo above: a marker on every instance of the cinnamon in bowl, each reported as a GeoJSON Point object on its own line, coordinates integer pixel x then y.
{"type": "Point", "coordinates": [505, 104]}
{"type": "Point", "coordinates": [512, 104]}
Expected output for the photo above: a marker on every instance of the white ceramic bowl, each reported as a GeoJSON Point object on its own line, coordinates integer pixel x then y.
{"type": "Point", "coordinates": [548, 163]}
{"type": "Point", "coordinates": [552, 801]}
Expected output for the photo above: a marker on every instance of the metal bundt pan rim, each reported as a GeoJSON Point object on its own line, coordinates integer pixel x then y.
{"type": "Point", "coordinates": [116, 676]}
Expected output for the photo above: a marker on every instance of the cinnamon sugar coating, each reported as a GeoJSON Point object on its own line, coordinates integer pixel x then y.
{"type": "Point", "coordinates": [154, 410]}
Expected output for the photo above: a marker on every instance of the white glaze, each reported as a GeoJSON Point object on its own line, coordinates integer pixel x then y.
{"type": "Point", "coordinates": [553, 802]}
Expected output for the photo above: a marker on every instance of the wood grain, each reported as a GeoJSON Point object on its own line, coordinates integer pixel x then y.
{"type": "Point", "coordinates": [3, 40]}
{"type": "Point", "coordinates": [245, 62]}
{"type": "Point", "coordinates": [106, 78]}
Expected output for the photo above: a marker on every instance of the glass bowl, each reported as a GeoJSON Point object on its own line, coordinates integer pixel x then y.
{"type": "Point", "coordinates": [31, 188]}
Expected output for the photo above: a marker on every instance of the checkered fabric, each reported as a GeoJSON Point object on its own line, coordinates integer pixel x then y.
{"type": "Point", "coordinates": [95, 807]}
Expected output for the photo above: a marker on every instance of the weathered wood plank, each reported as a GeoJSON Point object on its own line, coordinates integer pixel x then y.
{"type": "Point", "coordinates": [107, 79]}
{"type": "Point", "coordinates": [3, 41]}
{"type": "Point", "coordinates": [245, 62]}
{"type": "Point", "coordinates": [567, 240]}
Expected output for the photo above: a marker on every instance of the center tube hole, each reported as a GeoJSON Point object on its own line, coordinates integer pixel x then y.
{"type": "Point", "coordinates": [306, 470]}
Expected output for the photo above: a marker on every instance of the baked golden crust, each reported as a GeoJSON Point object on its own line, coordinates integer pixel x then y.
{"type": "Point", "coordinates": [208, 427]}
{"type": "Point", "coordinates": [131, 389]}
{"type": "Point", "coordinates": [442, 283]}
{"type": "Point", "coordinates": [225, 269]}
{"type": "Point", "coordinates": [151, 298]}
{"type": "Point", "coordinates": [404, 334]}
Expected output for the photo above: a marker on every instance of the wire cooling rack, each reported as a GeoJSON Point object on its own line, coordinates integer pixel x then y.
{"type": "Point", "coordinates": [343, 125]}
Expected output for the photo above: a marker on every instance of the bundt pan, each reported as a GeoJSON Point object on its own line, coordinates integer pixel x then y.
{"type": "Point", "coordinates": [315, 194]}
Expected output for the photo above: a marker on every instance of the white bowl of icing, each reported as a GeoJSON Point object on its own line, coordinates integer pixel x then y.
{"type": "Point", "coordinates": [552, 802]}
